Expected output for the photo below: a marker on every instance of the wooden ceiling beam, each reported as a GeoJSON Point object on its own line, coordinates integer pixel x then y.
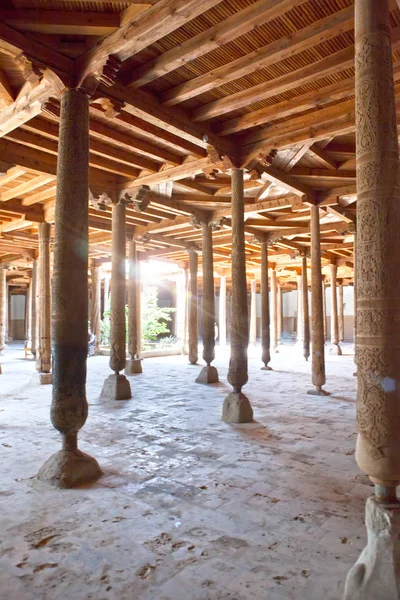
{"type": "Point", "coordinates": [214, 37]}
{"type": "Point", "coordinates": [263, 57]}
{"type": "Point", "coordinates": [26, 187]}
{"type": "Point", "coordinates": [61, 21]}
{"type": "Point", "coordinates": [6, 93]}
{"type": "Point", "coordinates": [11, 175]}
{"type": "Point", "coordinates": [50, 193]}
{"type": "Point", "coordinates": [139, 32]}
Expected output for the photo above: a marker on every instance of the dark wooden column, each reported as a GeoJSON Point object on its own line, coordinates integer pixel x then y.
{"type": "Point", "coordinates": [265, 318]}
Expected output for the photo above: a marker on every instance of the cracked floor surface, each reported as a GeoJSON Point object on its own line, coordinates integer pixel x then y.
{"type": "Point", "coordinates": [189, 508]}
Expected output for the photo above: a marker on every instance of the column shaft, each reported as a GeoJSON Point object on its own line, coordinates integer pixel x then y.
{"type": "Point", "coordinates": [335, 348]}
{"type": "Point", "coordinates": [222, 311]}
{"type": "Point", "coordinates": [28, 314]}
{"type": "Point", "coordinates": [265, 334]}
{"type": "Point", "coordinates": [274, 311]}
{"type": "Point", "coordinates": [43, 355]}
{"type": "Point", "coordinates": [237, 408]}
{"type": "Point", "coordinates": [317, 317]}
{"type": "Point", "coordinates": [106, 293]}
{"type": "Point", "coordinates": [305, 311]}
{"type": "Point", "coordinates": [279, 306]}
{"type": "Point", "coordinates": [300, 320]}
{"type": "Point", "coordinates": [96, 303]}
{"type": "Point", "coordinates": [193, 309]}
{"type": "Point", "coordinates": [35, 322]}
{"type": "Point", "coordinates": [69, 408]}
{"type": "Point", "coordinates": [253, 313]}
{"type": "Point", "coordinates": [341, 313]}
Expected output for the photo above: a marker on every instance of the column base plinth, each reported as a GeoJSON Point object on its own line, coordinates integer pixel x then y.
{"type": "Point", "coordinates": [237, 409]}
{"type": "Point", "coordinates": [335, 350]}
{"type": "Point", "coordinates": [42, 378]}
{"type": "Point", "coordinates": [317, 391]}
{"type": "Point", "coordinates": [376, 573]}
{"type": "Point", "coordinates": [208, 375]}
{"type": "Point", "coordinates": [266, 368]}
{"type": "Point", "coordinates": [133, 366]}
{"type": "Point", "coordinates": [69, 468]}
{"type": "Point", "coordinates": [116, 387]}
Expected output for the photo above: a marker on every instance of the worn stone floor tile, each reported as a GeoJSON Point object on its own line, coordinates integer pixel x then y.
{"type": "Point", "coordinates": [188, 508]}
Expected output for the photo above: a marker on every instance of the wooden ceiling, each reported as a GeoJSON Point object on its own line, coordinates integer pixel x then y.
{"type": "Point", "coordinates": [181, 90]}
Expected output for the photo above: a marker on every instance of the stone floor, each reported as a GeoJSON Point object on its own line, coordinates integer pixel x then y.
{"type": "Point", "coordinates": [189, 508]}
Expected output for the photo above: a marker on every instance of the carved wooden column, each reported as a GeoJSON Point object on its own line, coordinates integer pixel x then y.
{"type": "Point", "coordinates": [300, 328]}
{"type": "Point", "coordinates": [43, 354]}
{"type": "Point", "coordinates": [34, 328]}
{"type": "Point", "coordinates": [237, 408]}
{"type": "Point", "coordinates": [95, 271]}
{"type": "Point", "coordinates": [341, 312]}
{"type": "Point", "coordinates": [274, 310]}
{"type": "Point", "coordinates": [69, 408]}
{"type": "Point", "coordinates": [222, 311]}
{"type": "Point", "coordinates": [3, 300]}
{"type": "Point", "coordinates": [116, 386]}
{"type": "Point", "coordinates": [208, 374]}
{"type": "Point", "coordinates": [193, 309]}
{"type": "Point", "coordinates": [253, 312]}
{"type": "Point", "coordinates": [265, 334]}
{"type": "Point", "coordinates": [134, 363]}
{"type": "Point", "coordinates": [305, 310]}
{"type": "Point", "coordinates": [106, 293]}
{"type": "Point", "coordinates": [279, 306]}
{"type": "Point", "coordinates": [376, 573]}
{"type": "Point", "coordinates": [317, 316]}
{"type": "Point", "coordinates": [335, 348]}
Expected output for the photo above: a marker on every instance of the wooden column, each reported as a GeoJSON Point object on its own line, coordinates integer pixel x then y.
{"type": "Point", "coordinates": [324, 306]}
{"type": "Point", "coordinates": [185, 347]}
{"type": "Point", "coordinates": [305, 311]}
{"type": "Point", "coordinates": [43, 354]}
{"type": "Point", "coordinates": [317, 316]}
{"type": "Point", "coordinates": [265, 334]}
{"type": "Point", "coordinates": [133, 364]}
{"type": "Point", "coordinates": [28, 315]}
{"type": "Point", "coordinates": [69, 409]}
{"type": "Point", "coordinates": [106, 293]}
{"type": "Point", "coordinates": [95, 271]}
{"type": "Point", "coordinates": [341, 312]}
{"type": "Point", "coordinates": [116, 386]}
{"type": "Point", "coordinates": [208, 374]}
{"type": "Point", "coordinates": [300, 328]}
{"type": "Point", "coordinates": [253, 312]}
{"type": "Point", "coordinates": [193, 309]}
{"type": "Point", "coordinates": [34, 328]}
{"type": "Point", "coordinates": [3, 300]}
{"type": "Point", "coordinates": [237, 408]}
{"type": "Point", "coordinates": [222, 311]}
{"type": "Point", "coordinates": [274, 311]}
{"type": "Point", "coordinates": [279, 306]}
{"type": "Point", "coordinates": [335, 348]}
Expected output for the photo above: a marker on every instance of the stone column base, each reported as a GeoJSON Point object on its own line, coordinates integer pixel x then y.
{"type": "Point", "coordinates": [133, 366]}
{"type": "Point", "coordinates": [335, 350]}
{"type": "Point", "coordinates": [237, 409]}
{"type": "Point", "coordinates": [116, 387]}
{"type": "Point", "coordinates": [376, 573]}
{"type": "Point", "coordinates": [207, 375]}
{"type": "Point", "coordinates": [69, 468]}
{"type": "Point", "coordinates": [317, 391]}
{"type": "Point", "coordinates": [42, 378]}
{"type": "Point", "coordinates": [267, 368]}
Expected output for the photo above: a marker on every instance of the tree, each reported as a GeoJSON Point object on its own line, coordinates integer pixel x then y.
{"type": "Point", "coordinates": [154, 317]}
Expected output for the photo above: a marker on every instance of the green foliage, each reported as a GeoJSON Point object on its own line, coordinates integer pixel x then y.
{"type": "Point", "coordinates": [154, 319]}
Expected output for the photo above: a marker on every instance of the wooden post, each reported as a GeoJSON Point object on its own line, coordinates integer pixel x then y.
{"type": "Point", "coordinates": [43, 354]}
{"type": "Point", "coordinates": [222, 311]}
{"type": "Point", "coordinates": [34, 330]}
{"type": "Point", "coordinates": [69, 409]}
{"type": "Point", "coordinates": [3, 300]}
{"type": "Point", "coordinates": [305, 311]}
{"type": "Point", "coordinates": [335, 348]}
{"type": "Point", "coordinates": [265, 319]}
{"type": "Point", "coordinates": [253, 313]}
{"type": "Point", "coordinates": [237, 408]}
{"type": "Point", "coordinates": [274, 310]}
{"type": "Point", "coordinates": [341, 312]}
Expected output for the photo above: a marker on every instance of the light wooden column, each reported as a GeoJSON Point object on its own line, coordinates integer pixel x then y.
{"type": "Point", "coordinates": [324, 306]}
{"type": "Point", "coordinates": [317, 316]}
{"type": "Point", "coordinates": [305, 309]}
{"type": "Point", "coordinates": [300, 328]}
{"type": "Point", "coordinates": [209, 373]}
{"type": "Point", "coordinates": [279, 306]}
{"type": "Point", "coordinates": [43, 354]}
{"type": "Point", "coordinates": [335, 348]}
{"type": "Point", "coordinates": [116, 386]}
{"type": "Point", "coordinates": [237, 408]}
{"type": "Point", "coordinates": [274, 311]}
{"type": "Point", "coordinates": [69, 409]}
{"type": "Point", "coordinates": [95, 270]}
{"type": "Point", "coordinates": [265, 319]}
{"type": "Point", "coordinates": [34, 328]}
{"type": "Point", "coordinates": [193, 309]}
{"type": "Point", "coordinates": [222, 311]}
{"type": "Point", "coordinates": [253, 312]}
{"type": "Point", "coordinates": [133, 364]}
{"type": "Point", "coordinates": [376, 573]}
{"type": "Point", "coordinates": [341, 312]}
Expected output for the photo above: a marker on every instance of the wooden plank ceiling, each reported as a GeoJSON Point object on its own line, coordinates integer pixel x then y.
{"type": "Point", "coordinates": [179, 91]}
